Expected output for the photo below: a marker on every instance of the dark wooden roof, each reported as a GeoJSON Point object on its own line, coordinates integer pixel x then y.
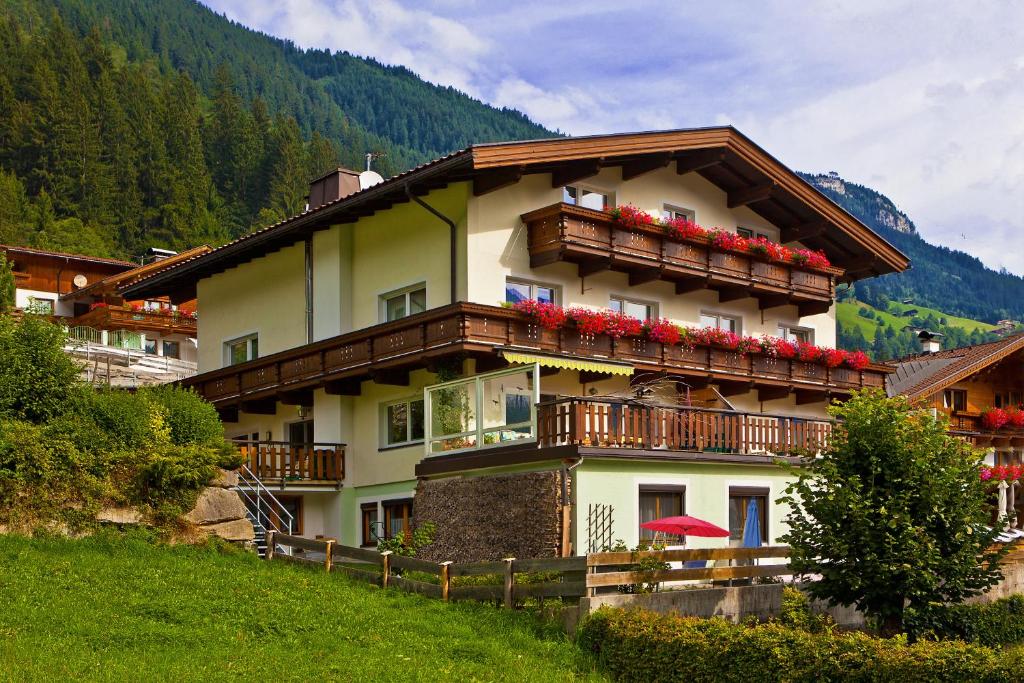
{"type": "Point", "coordinates": [927, 374]}
{"type": "Point", "coordinates": [724, 156]}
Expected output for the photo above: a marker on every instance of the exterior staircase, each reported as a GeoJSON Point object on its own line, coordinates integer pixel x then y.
{"type": "Point", "coordinates": [264, 510]}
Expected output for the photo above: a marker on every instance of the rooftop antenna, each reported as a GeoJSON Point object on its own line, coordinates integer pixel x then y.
{"type": "Point", "coordinates": [370, 156]}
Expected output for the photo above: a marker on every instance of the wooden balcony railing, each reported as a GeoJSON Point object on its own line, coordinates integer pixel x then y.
{"type": "Point", "coordinates": [415, 341]}
{"type": "Point", "coordinates": [590, 238]}
{"type": "Point", "coordinates": [615, 423]}
{"type": "Point", "coordinates": [122, 318]}
{"type": "Point", "coordinates": [282, 462]}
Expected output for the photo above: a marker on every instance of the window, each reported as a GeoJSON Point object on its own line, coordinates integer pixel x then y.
{"type": "Point", "coordinates": [371, 523]}
{"type": "Point", "coordinates": [397, 518]}
{"type": "Point", "coordinates": [673, 212]}
{"type": "Point", "coordinates": [241, 350]}
{"type": "Point", "coordinates": [586, 197]}
{"type": "Point", "coordinates": [749, 234]}
{"type": "Point", "coordinates": [300, 434]}
{"type": "Point", "coordinates": [1005, 399]}
{"type": "Point", "coordinates": [485, 410]}
{"type": "Point", "coordinates": [723, 322]}
{"type": "Point", "coordinates": [796, 334]}
{"type": "Point", "coordinates": [954, 399]}
{"type": "Point", "coordinates": [150, 347]}
{"type": "Point", "coordinates": [404, 303]}
{"type": "Point", "coordinates": [743, 501]}
{"type": "Point", "coordinates": [519, 290]}
{"type": "Point", "coordinates": [402, 422]}
{"type": "Point", "coordinates": [172, 349]}
{"type": "Point", "coordinates": [658, 502]}
{"type": "Point", "coordinates": [39, 306]}
{"type": "Point", "coordinates": [637, 309]}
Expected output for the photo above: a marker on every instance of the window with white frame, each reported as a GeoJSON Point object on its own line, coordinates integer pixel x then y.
{"type": "Point", "coordinates": [669, 212]}
{"type": "Point", "coordinates": [486, 410]}
{"type": "Point", "coordinates": [40, 305]}
{"type": "Point", "coordinates": [729, 323]}
{"type": "Point", "coordinates": [750, 234]}
{"type": "Point", "coordinates": [403, 302]}
{"type": "Point", "coordinates": [638, 309]}
{"type": "Point", "coordinates": [586, 197]}
{"type": "Point", "coordinates": [796, 334]}
{"type": "Point", "coordinates": [242, 350]}
{"type": "Point", "coordinates": [520, 290]}
{"type": "Point", "coordinates": [401, 422]}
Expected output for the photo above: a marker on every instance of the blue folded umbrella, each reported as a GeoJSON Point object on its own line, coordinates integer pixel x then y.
{"type": "Point", "coordinates": [752, 527]}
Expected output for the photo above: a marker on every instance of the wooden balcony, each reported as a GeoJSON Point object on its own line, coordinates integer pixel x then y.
{"type": "Point", "coordinates": [123, 318]}
{"type": "Point", "coordinates": [278, 463]}
{"type": "Point", "coordinates": [593, 241]}
{"type": "Point", "coordinates": [386, 353]}
{"type": "Point", "coordinates": [616, 423]}
{"type": "Point", "coordinates": [967, 424]}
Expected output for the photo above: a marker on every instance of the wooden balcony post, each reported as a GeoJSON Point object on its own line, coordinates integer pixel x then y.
{"type": "Point", "coordinates": [385, 558]}
{"type": "Point", "coordinates": [269, 555]}
{"type": "Point", "coordinates": [446, 579]}
{"type": "Point", "coordinates": [328, 560]}
{"type": "Point", "coordinates": [509, 582]}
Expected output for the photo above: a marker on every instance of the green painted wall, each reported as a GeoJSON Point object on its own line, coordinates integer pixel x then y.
{"type": "Point", "coordinates": [353, 497]}
{"type": "Point", "coordinates": [618, 483]}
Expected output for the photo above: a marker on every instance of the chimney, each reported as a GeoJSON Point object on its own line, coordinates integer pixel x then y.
{"type": "Point", "coordinates": [333, 185]}
{"type": "Point", "coordinates": [931, 342]}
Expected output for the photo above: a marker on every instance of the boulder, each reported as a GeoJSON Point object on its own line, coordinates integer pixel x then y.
{"type": "Point", "coordinates": [216, 505]}
{"type": "Point", "coordinates": [237, 530]}
{"type": "Point", "coordinates": [225, 479]}
{"type": "Point", "coordinates": [114, 515]}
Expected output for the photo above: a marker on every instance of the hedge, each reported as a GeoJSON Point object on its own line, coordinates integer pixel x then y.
{"type": "Point", "coordinates": [993, 624]}
{"type": "Point", "coordinates": [643, 646]}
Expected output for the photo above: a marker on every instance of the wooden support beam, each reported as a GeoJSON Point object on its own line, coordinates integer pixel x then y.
{"type": "Point", "coordinates": [548, 371]}
{"type": "Point", "coordinates": [545, 257]}
{"type": "Point", "coordinates": [813, 307]}
{"type": "Point", "coordinates": [732, 294]}
{"type": "Point", "coordinates": [730, 388]}
{"type": "Point", "coordinates": [352, 386]}
{"type": "Point", "coordinates": [486, 362]}
{"type": "Point", "coordinates": [574, 172]}
{"type": "Point", "coordinates": [750, 195]}
{"type": "Point", "coordinates": [644, 275]}
{"type": "Point", "coordinates": [694, 383]}
{"type": "Point", "coordinates": [691, 285]}
{"type": "Point", "coordinates": [489, 181]}
{"type": "Point", "coordinates": [588, 376]}
{"type": "Point", "coordinates": [228, 414]}
{"type": "Point", "coordinates": [302, 397]}
{"type": "Point", "coordinates": [637, 167]}
{"type": "Point", "coordinates": [696, 161]}
{"type": "Point", "coordinates": [262, 406]}
{"type": "Point", "coordinates": [795, 233]}
{"type": "Point", "coordinates": [805, 396]}
{"type": "Point", "coordinates": [585, 268]}
{"type": "Point", "coordinates": [772, 301]}
{"type": "Point", "coordinates": [398, 377]}
{"type": "Point", "coordinates": [772, 393]}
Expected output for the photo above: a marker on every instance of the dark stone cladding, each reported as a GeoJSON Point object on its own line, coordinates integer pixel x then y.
{"type": "Point", "coordinates": [491, 517]}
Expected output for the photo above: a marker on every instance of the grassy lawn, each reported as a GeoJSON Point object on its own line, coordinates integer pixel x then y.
{"type": "Point", "coordinates": [846, 313]}
{"type": "Point", "coordinates": [119, 608]}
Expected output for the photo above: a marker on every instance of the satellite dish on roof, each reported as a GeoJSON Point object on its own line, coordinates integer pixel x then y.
{"type": "Point", "coordinates": [369, 179]}
{"type": "Point", "coordinates": [80, 281]}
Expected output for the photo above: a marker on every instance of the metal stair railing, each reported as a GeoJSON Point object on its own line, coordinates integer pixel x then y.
{"type": "Point", "coordinates": [268, 514]}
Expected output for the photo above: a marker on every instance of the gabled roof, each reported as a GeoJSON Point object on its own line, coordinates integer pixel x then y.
{"type": "Point", "coordinates": [927, 374]}
{"type": "Point", "coordinates": [128, 277]}
{"type": "Point", "coordinates": [724, 156]}
{"type": "Point", "coordinates": [81, 258]}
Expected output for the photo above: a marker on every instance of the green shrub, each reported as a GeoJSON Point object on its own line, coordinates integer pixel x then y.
{"type": "Point", "coordinates": [38, 381]}
{"type": "Point", "coordinates": [796, 612]}
{"type": "Point", "coordinates": [130, 421]}
{"type": "Point", "coordinates": [993, 624]}
{"type": "Point", "coordinates": [642, 646]}
{"type": "Point", "coordinates": [192, 420]}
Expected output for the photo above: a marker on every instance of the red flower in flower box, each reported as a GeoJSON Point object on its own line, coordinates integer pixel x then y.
{"type": "Point", "coordinates": [832, 358]}
{"type": "Point", "coordinates": [98, 304]}
{"type": "Point", "coordinates": [630, 216]}
{"type": "Point", "coordinates": [999, 472]}
{"type": "Point", "coordinates": [683, 228]}
{"type": "Point", "coordinates": [727, 240]}
{"type": "Point", "coordinates": [808, 353]}
{"type": "Point", "coordinates": [1015, 417]}
{"type": "Point", "coordinates": [588, 321]}
{"type": "Point", "coordinates": [1014, 472]}
{"type": "Point", "coordinates": [994, 418]}
{"type": "Point", "coordinates": [813, 259]}
{"type": "Point", "coordinates": [619, 325]}
{"type": "Point", "coordinates": [857, 360]}
{"type": "Point", "coordinates": [663, 331]}
{"type": "Point", "coordinates": [549, 316]}
{"type": "Point", "coordinates": [985, 473]}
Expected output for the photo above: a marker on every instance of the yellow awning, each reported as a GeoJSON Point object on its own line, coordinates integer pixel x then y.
{"type": "Point", "coordinates": [568, 363]}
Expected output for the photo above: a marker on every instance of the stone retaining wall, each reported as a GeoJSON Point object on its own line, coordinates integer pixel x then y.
{"type": "Point", "coordinates": [491, 517]}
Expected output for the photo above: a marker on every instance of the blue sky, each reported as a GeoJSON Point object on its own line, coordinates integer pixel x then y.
{"type": "Point", "coordinates": [925, 105]}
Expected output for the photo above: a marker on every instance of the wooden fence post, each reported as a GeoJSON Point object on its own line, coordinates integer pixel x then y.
{"type": "Point", "coordinates": [269, 554]}
{"type": "Point", "coordinates": [446, 579]}
{"type": "Point", "coordinates": [509, 581]}
{"type": "Point", "coordinates": [328, 560]}
{"type": "Point", "coordinates": [386, 563]}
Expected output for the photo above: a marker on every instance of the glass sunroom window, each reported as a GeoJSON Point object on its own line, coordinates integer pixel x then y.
{"type": "Point", "coordinates": [486, 410]}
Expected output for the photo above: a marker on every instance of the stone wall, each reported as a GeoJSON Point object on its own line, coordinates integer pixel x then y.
{"type": "Point", "coordinates": [491, 517]}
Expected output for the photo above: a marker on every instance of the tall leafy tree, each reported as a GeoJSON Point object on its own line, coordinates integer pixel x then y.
{"type": "Point", "coordinates": [7, 293]}
{"type": "Point", "coordinates": [893, 515]}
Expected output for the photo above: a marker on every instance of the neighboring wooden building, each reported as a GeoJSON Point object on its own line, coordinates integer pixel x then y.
{"type": "Point", "coordinates": [363, 345]}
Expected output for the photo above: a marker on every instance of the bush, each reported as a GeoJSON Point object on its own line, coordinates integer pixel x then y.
{"type": "Point", "coordinates": [993, 624]}
{"type": "Point", "coordinates": [192, 420]}
{"type": "Point", "coordinates": [38, 381]}
{"type": "Point", "coordinates": [642, 646]}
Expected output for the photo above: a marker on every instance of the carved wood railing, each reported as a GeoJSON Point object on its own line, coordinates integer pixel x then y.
{"type": "Point", "coordinates": [279, 460]}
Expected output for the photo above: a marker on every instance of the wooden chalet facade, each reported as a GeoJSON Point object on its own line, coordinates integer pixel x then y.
{"type": "Point", "coordinates": [381, 326]}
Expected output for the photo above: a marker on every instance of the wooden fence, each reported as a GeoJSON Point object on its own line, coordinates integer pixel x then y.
{"type": "Point", "coordinates": [517, 580]}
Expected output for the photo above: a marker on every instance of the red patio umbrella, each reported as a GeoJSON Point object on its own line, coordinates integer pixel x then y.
{"type": "Point", "coordinates": [686, 526]}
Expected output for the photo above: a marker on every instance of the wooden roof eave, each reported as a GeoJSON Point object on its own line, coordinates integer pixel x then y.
{"type": "Point", "coordinates": [932, 385]}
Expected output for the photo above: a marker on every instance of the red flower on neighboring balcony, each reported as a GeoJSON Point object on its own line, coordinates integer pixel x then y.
{"type": "Point", "coordinates": [808, 353]}
{"type": "Point", "coordinates": [618, 325]}
{"type": "Point", "coordinates": [683, 228]}
{"type": "Point", "coordinates": [857, 360]}
{"type": "Point", "coordinates": [832, 358]}
{"type": "Point", "coordinates": [663, 331]}
{"type": "Point", "coordinates": [630, 216]}
{"type": "Point", "coordinates": [548, 315]}
{"type": "Point", "coordinates": [994, 418]}
{"type": "Point", "coordinates": [588, 321]}
{"type": "Point", "coordinates": [724, 239]}
{"type": "Point", "coordinates": [813, 259]}
{"type": "Point", "coordinates": [98, 304]}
